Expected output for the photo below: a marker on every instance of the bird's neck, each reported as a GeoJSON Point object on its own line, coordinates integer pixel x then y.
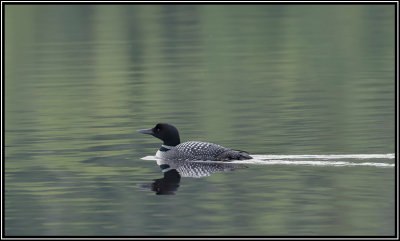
{"type": "Point", "coordinates": [172, 141]}
{"type": "Point", "coordinates": [165, 148]}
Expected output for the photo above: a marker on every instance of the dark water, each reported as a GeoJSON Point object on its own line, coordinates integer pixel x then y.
{"type": "Point", "coordinates": [268, 79]}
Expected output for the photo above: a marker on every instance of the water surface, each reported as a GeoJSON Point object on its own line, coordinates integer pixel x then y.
{"type": "Point", "coordinates": [268, 79]}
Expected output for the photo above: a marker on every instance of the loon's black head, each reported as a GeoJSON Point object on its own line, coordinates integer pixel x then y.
{"type": "Point", "coordinates": [166, 132]}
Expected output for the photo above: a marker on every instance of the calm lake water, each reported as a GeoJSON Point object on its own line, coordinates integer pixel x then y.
{"type": "Point", "coordinates": [279, 81]}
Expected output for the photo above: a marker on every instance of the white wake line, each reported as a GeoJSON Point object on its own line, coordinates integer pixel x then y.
{"type": "Point", "coordinates": [326, 157]}
{"type": "Point", "coordinates": [313, 163]}
{"type": "Point", "coordinates": [149, 158]}
{"type": "Point", "coordinates": [291, 160]}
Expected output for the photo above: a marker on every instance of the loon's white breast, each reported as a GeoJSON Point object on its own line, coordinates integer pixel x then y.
{"type": "Point", "coordinates": [163, 149]}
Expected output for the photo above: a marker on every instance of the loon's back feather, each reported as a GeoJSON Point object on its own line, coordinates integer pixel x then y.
{"type": "Point", "coordinates": [206, 151]}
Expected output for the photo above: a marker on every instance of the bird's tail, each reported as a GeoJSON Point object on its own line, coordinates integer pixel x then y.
{"type": "Point", "coordinates": [231, 155]}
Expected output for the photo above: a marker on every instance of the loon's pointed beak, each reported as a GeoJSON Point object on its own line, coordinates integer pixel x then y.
{"type": "Point", "coordinates": [146, 131]}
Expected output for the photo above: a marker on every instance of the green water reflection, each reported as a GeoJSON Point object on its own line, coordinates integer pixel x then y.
{"type": "Point", "coordinates": [268, 79]}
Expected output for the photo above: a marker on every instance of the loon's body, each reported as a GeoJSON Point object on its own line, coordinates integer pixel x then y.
{"type": "Point", "coordinates": [172, 149]}
{"type": "Point", "coordinates": [196, 150]}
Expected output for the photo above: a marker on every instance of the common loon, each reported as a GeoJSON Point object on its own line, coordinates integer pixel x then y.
{"type": "Point", "coordinates": [173, 149]}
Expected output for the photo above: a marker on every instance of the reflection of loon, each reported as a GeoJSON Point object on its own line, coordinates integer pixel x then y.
{"type": "Point", "coordinates": [197, 169]}
{"type": "Point", "coordinates": [174, 170]}
{"type": "Point", "coordinates": [173, 149]}
{"type": "Point", "coordinates": [164, 186]}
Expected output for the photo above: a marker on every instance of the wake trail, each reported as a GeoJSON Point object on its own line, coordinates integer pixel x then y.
{"type": "Point", "coordinates": [320, 160]}
{"type": "Point", "coordinates": [326, 157]}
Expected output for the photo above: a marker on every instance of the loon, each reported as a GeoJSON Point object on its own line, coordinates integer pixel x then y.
{"type": "Point", "coordinates": [173, 149]}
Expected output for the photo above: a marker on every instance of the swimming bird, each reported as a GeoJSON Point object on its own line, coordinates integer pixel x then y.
{"type": "Point", "coordinates": [173, 149]}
